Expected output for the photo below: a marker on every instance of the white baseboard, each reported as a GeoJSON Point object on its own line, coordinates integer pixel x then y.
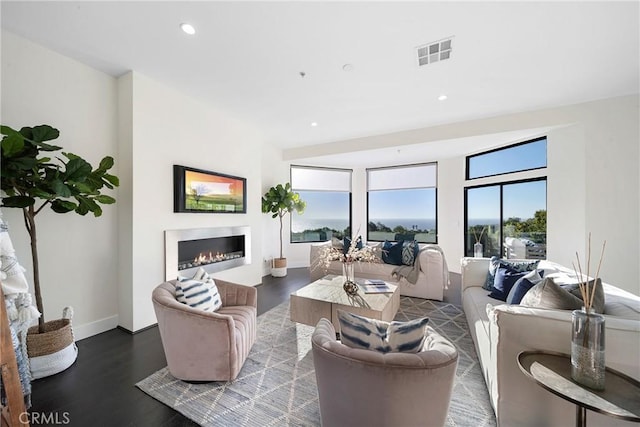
{"type": "Point", "coordinates": [94, 328]}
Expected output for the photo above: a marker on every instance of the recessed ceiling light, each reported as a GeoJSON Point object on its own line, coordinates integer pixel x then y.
{"type": "Point", "coordinates": [314, 124]}
{"type": "Point", "coordinates": [442, 97]}
{"type": "Point", "coordinates": [188, 28]}
{"type": "Point", "coordinates": [347, 67]}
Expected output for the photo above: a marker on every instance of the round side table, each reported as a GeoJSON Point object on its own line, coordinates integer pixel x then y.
{"type": "Point", "coordinates": [552, 371]}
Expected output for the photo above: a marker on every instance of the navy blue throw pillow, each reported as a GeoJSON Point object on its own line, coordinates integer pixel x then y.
{"type": "Point", "coordinates": [392, 252]}
{"type": "Point", "coordinates": [522, 286]}
{"type": "Point", "coordinates": [519, 290]}
{"type": "Point", "coordinates": [410, 251]}
{"type": "Point", "coordinates": [347, 244]}
{"type": "Point", "coordinates": [515, 266]}
{"type": "Point", "coordinates": [504, 281]}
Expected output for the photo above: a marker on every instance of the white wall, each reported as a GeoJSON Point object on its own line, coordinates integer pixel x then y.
{"type": "Point", "coordinates": [107, 267]}
{"type": "Point", "coordinates": [125, 199]}
{"type": "Point", "coordinates": [170, 128]}
{"type": "Point", "coordinates": [592, 185]}
{"type": "Point", "coordinates": [566, 194]}
{"type": "Point", "coordinates": [272, 175]}
{"type": "Point", "coordinates": [451, 209]}
{"type": "Point", "coordinates": [78, 255]}
{"type": "Point", "coordinates": [359, 203]}
{"type": "Point", "coordinates": [612, 136]}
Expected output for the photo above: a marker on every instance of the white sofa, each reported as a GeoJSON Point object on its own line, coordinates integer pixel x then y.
{"type": "Point", "coordinates": [501, 331]}
{"type": "Point", "coordinates": [432, 278]}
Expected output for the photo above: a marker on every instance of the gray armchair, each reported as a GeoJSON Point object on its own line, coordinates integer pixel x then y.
{"type": "Point", "coordinates": [367, 388]}
{"type": "Point", "coordinates": [203, 346]}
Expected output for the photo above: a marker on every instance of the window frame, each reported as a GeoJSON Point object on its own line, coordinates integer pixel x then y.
{"type": "Point", "coordinates": [325, 168]}
{"type": "Point", "coordinates": [501, 185]}
{"type": "Point", "coordinates": [530, 141]}
{"type": "Point", "coordinates": [435, 163]}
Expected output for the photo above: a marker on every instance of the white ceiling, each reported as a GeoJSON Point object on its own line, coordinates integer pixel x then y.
{"type": "Point", "coordinates": [246, 57]}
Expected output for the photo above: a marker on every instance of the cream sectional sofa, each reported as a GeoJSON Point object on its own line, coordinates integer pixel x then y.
{"type": "Point", "coordinates": [432, 278]}
{"type": "Point", "coordinates": [501, 331]}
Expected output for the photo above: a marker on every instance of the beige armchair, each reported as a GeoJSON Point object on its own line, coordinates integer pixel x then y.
{"type": "Point", "coordinates": [203, 346]}
{"type": "Point", "coordinates": [367, 388]}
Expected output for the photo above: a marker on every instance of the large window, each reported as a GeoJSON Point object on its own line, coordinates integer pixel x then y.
{"type": "Point", "coordinates": [327, 193]}
{"type": "Point", "coordinates": [401, 203]}
{"type": "Point", "coordinates": [514, 158]}
{"type": "Point", "coordinates": [508, 218]}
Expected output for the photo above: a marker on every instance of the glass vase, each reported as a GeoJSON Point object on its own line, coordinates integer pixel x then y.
{"type": "Point", "coordinates": [477, 250]}
{"type": "Point", "coordinates": [587, 349]}
{"type": "Point", "coordinates": [349, 284]}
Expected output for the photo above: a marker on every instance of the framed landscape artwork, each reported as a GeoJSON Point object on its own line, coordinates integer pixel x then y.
{"type": "Point", "coordinates": [197, 190]}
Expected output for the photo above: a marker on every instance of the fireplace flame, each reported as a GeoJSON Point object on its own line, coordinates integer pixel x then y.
{"type": "Point", "coordinates": [205, 258]}
{"type": "Point", "coordinates": [208, 259]}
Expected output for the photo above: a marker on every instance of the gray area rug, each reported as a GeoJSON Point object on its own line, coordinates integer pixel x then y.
{"type": "Point", "coordinates": [277, 385]}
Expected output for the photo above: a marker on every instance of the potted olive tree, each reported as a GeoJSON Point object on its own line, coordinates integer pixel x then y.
{"type": "Point", "coordinates": [63, 182]}
{"type": "Point", "coordinates": [279, 201]}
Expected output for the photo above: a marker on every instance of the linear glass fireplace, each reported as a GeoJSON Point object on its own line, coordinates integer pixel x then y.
{"type": "Point", "coordinates": [214, 249]}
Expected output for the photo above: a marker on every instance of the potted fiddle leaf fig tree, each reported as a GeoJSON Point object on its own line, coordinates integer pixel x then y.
{"type": "Point", "coordinates": [36, 175]}
{"type": "Point", "coordinates": [279, 201]}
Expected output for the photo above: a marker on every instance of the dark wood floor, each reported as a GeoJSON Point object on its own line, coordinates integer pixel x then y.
{"type": "Point", "coordinates": [99, 389]}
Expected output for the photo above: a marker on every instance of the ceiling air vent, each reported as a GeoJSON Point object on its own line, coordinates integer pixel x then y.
{"type": "Point", "coordinates": [434, 52]}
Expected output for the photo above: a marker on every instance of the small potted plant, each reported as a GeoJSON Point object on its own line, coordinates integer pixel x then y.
{"type": "Point", "coordinates": [279, 201]}
{"type": "Point", "coordinates": [68, 183]}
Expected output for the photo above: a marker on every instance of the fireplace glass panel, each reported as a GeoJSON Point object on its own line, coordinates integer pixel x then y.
{"type": "Point", "coordinates": [200, 252]}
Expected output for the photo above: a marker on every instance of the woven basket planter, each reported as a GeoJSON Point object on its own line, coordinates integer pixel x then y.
{"type": "Point", "coordinates": [57, 335]}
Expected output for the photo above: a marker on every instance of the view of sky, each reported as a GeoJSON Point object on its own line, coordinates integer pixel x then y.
{"type": "Point", "coordinates": [522, 157]}
{"type": "Point", "coordinates": [520, 200]}
{"type": "Point", "coordinates": [325, 204]}
{"type": "Point", "coordinates": [412, 203]}
{"type": "Point", "coordinates": [523, 200]}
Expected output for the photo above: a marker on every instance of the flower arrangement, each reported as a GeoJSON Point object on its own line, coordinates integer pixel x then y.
{"type": "Point", "coordinates": [353, 254]}
{"type": "Point", "coordinates": [587, 288]}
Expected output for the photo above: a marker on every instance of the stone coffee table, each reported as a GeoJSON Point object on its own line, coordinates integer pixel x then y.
{"type": "Point", "coordinates": [325, 296]}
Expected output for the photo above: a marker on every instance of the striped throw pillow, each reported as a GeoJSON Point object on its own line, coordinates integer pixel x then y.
{"type": "Point", "coordinates": [202, 275]}
{"type": "Point", "coordinates": [198, 294]}
{"type": "Point", "coordinates": [385, 337]}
